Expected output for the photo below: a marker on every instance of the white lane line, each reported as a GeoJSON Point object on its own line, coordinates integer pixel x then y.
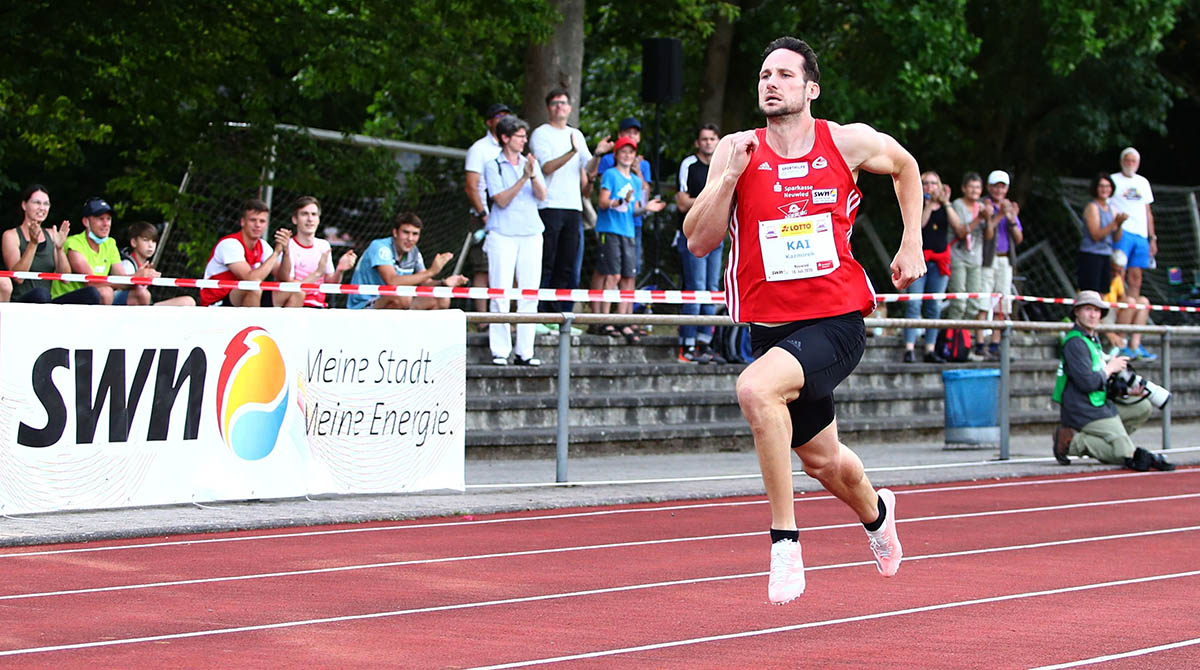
{"type": "Point", "coordinates": [1116, 657]}
{"type": "Point", "coordinates": [618, 545]}
{"type": "Point", "coordinates": [834, 622]}
{"type": "Point", "coordinates": [574, 594]}
{"type": "Point", "coordinates": [799, 473]}
{"type": "Point", "coordinates": [576, 515]}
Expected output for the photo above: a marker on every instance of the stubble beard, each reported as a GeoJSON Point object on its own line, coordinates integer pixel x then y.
{"type": "Point", "coordinates": [784, 112]}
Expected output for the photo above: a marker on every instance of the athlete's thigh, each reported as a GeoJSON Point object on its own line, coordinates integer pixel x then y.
{"type": "Point", "coordinates": [776, 372]}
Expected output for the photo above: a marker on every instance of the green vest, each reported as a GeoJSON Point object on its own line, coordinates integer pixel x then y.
{"type": "Point", "coordinates": [1097, 398]}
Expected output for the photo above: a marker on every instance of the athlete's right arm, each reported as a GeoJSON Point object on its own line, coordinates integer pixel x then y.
{"type": "Point", "coordinates": [708, 219]}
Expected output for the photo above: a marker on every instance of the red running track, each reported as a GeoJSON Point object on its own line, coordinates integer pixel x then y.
{"type": "Point", "coordinates": [1046, 572]}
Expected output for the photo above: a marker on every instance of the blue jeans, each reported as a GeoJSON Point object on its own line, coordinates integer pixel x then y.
{"type": "Point", "coordinates": [933, 282]}
{"type": "Point", "coordinates": [699, 274]}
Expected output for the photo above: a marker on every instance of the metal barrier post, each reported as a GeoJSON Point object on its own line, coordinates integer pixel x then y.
{"type": "Point", "coordinates": [564, 403]}
{"type": "Point", "coordinates": [1166, 382]}
{"type": "Point", "coordinates": [1005, 361]}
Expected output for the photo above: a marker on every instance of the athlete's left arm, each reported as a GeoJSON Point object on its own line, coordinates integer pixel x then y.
{"type": "Point", "coordinates": [865, 148]}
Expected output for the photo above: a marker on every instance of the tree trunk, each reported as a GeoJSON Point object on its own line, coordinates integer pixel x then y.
{"type": "Point", "coordinates": [716, 72]}
{"type": "Point", "coordinates": [556, 63]}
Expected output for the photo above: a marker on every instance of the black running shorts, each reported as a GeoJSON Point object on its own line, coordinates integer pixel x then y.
{"type": "Point", "coordinates": [828, 349]}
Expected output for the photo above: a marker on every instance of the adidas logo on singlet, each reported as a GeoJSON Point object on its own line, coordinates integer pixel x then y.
{"type": "Point", "coordinates": [765, 166]}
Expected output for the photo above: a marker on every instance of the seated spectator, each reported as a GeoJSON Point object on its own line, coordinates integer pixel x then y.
{"type": "Point", "coordinates": [620, 201]}
{"type": "Point", "coordinates": [244, 256]}
{"type": "Point", "coordinates": [136, 260]}
{"type": "Point", "coordinates": [31, 248]}
{"type": "Point", "coordinates": [1131, 348]}
{"type": "Point", "coordinates": [94, 252]}
{"type": "Point", "coordinates": [308, 259]}
{"type": "Point", "coordinates": [1092, 425]}
{"type": "Point", "coordinates": [1102, 227]}
{"type": "Point", "coordinates": [396, 261]}
{"type": "Point", "coordinates": [937, 218]}
{"type": "Point", "coordinates": [514, 236]}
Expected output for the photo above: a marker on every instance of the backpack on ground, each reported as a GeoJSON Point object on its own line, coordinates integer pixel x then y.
{"type": "Point", "coordinates": [954, 344]}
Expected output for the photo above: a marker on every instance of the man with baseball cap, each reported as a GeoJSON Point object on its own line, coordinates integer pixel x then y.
{"type": "Point", "coordinates": [95, 252]}
{"type": "Point", "coordinates": [483, 150]}
{"type": "Point", "coordinates": [1091, 425]}
{"type": "Point", "coordinates": [1001, 236]}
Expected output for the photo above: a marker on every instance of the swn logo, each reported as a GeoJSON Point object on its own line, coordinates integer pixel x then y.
{"type": "Point", "coordinates": [252, 394]}
{"type": "Point", "coordinates": [123, 399]}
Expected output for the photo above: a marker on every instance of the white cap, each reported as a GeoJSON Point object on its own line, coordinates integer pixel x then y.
{"type": "Point", "coordinates": [998, 177]}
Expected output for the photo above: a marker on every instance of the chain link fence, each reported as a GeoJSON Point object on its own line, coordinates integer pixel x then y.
{"type": "Point", "coordinates": [361, 183]}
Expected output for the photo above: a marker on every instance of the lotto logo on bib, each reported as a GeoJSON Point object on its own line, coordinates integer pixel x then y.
{"type": "Point", "coordinates": [252, 394]}
{"type": "Point", "coordinates": [798, 228]}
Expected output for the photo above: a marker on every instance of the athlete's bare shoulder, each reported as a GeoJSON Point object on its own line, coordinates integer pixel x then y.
{"type": "Point", "coordinates": [857, 142]}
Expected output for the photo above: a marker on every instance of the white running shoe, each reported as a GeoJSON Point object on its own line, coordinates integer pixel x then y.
{"type": "Point", "coordinates": [885, 544]}
{"type": "Point", "coordinates": [787, 572]}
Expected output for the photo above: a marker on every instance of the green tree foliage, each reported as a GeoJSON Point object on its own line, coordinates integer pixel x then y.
{"type": "Point", "coordinates": [133, 89]}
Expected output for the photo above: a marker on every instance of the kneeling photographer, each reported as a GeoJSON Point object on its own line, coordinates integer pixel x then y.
{"type": "Point", "coordinates": [1087, 385]}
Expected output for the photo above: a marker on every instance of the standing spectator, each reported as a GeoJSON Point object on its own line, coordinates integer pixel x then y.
{"type": "Point", "coordinates": [565, 161]}
{"type": "Point", "coordinates": [307, 258]}
{"type": "Point", "coordinates": [244, 255]}
{"type": "Point", "coordinates": [483, 150]}
{"type": "Point", "coordinates": [136, 259]}
{"type": "Point", "coordinates": [94, 252]}
{"type": "Point", "coordinates": [514, 236]}
{"type": "Point", "coordinates": [31, 248]}
{"type": "Point", "coordinates": [937, 217]}
{"type": "Point", "coordinates": [1102, 225]}
{"type": "Point", "coordinates": [1132, 195]}
{"type": "Point", "coordinates": [966, 254]}
{"type": "Point", "coordinates": [631, 128]}
{"type": "Point", "coordinates": [396, 261]}
{"type": "Point", "coordinates": [1004, 226]}
{"type": "Point", "coordinates": [699, 274]}
{"type": "Point", "coordinates": [619, 202]}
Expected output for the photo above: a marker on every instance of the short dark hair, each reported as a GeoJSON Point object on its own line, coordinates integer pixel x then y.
{"type": "Point", "coordinates": [509, 125]}
{"type": "Point", "coordinates": [1094, 187]}
{"type": "Point", "coordinates": [254, 205]}
{"type": "Point", "coordinates": [31, 189]}
{"type": "Point", "coordinates": [972, 176]}
{"type": "Point", "coordinates": [304, 201]}
{"type": "Point", "coordinates": [407, 219]}
{"type": "Point", "coordinates": [708, 126]}
{"type": "Point", "coordinates": [811, 71]}
{"type": "Point", "coordinates": [141, 229]}
{"type": "Point", "coordinates": [555, 92]}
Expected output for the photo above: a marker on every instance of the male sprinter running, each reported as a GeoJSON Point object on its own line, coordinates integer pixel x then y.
{"type": "Point", "coordinates": [787, 195]}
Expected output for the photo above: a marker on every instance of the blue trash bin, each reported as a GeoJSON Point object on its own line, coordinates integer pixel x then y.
{"type": "Point", "coordinates": [972, 406]}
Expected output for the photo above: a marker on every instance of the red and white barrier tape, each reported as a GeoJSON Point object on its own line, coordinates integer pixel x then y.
{"type": "Point", "coordinates": [481, 293]}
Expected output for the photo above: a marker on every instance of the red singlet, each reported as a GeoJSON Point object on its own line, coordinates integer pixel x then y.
{"type": "Point", "coordinates": [791, 223]}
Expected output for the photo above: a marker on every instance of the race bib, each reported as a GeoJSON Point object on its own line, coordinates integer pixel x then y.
{"type": "Point", "coordinates": [798, 248]}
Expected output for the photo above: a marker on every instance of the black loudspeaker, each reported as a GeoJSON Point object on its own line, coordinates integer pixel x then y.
{"type": "Point", "coordinates": [662, 70]}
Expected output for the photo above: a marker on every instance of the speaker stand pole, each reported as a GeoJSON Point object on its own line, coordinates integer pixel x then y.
{"type": "Point", "coordinates": [650, 233]}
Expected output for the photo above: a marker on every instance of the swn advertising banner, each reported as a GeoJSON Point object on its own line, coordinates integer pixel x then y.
{"type": "Point", "coordinates": [126, 406]}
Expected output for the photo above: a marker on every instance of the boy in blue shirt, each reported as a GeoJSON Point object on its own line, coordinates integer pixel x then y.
{"type": "Point", "coordinates": [620, 201]}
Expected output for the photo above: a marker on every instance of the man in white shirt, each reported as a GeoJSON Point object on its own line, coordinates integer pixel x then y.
{"type": "Point", "coordinates": [483, 150]}
{"type": "Point", "coordinates": [1132, 195]}
{"type": "Point", "coordinates": [563, 155]}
